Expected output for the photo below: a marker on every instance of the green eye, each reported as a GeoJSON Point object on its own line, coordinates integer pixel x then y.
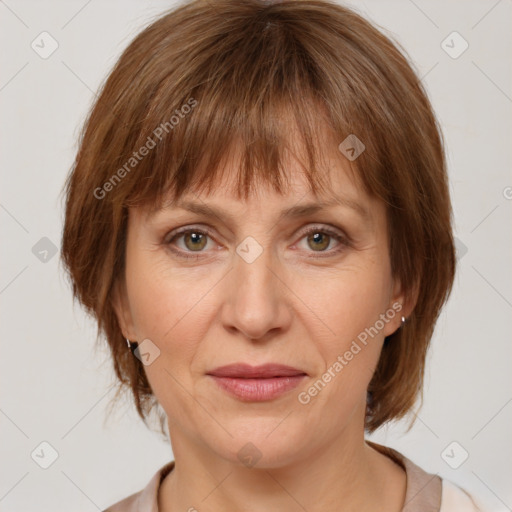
{"type": "Point", "coordinates": [321, 240]}
{"type": "Point", "coordinates": [196, 239]}
{"type": "Point", "coordinates": [318, 239]}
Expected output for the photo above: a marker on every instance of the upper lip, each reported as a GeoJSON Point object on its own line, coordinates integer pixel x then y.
{"type": "Point", "coordinates": [243, 370]}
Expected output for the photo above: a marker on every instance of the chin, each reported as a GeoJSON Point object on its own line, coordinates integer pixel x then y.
{"type": "Point", "coordinates": [258, 443]}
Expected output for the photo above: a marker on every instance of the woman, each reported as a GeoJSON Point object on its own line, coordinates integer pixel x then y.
{"type": "Point", "coordinates": [230, 139]}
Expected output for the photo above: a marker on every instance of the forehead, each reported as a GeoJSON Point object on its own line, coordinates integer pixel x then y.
{"type": "Point", "coordinates": [340, 188]}
{"type": "Point", "coordinates": [336, 179]}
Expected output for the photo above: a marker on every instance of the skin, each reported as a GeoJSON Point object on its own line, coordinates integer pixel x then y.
{"type": "Point", "coordinates": [286, 306]}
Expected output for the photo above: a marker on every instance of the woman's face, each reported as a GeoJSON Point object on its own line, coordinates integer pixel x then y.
{"type": "Point", "coordinates": [256, 289]}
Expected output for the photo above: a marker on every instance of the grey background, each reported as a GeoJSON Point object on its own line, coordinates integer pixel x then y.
{"type": "Point", "coordinates": [55, 387]}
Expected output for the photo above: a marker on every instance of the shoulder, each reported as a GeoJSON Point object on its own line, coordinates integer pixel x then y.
{"type": "Point", "coordinates": [129, 504]}
{"type": "Point", "coordinates": [145, 500]}
{"type": "Point", "coordinates": [428, 492]}
{"type": "Point", "coordinates": [456, 499]}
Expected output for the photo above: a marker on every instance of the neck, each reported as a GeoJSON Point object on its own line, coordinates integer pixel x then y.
{"type": "Point", "coordinates": [345, 475]}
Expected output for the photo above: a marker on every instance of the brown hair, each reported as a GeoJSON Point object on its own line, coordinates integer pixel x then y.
{"type": "Point", "coordinates": [207, 74]}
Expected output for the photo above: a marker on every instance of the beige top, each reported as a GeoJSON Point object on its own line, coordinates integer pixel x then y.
{"type": "Point", "coordinates": [425, 492]}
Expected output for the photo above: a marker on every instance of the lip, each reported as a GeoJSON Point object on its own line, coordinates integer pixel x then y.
{"type": "Point", "coordinates": [257, 383]}
{"type": "Point", "coordinates": [264, 371]}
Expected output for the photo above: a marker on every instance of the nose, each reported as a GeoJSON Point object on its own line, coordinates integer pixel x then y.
{"type": "Point", "coordinates": [256, 298]}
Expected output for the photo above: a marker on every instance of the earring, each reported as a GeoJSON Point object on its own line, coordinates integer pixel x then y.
{"type": "Point", "coordinates": [131, 345]}
{"type": "Point", "coordinates": [403, 320]}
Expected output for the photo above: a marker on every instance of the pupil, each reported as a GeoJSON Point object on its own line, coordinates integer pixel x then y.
{"type": "Point", "coordinates": [318, 238]}
{"type": "Point", "coordinates": [195, 239]}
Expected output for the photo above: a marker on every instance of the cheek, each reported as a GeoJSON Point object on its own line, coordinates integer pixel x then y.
{"type": "Point", "coordinates": [173, 313]}
{"type": "Point", "coordinates": [348, 302]}
{"type": "Point", "coordinates": [349, 307]}
{"type": "Point", "coordinates": [173, 309]}
{"type": "Point", "coordinates": [161, 298]}
{"type": "Point", "coordinates": [348, 353]}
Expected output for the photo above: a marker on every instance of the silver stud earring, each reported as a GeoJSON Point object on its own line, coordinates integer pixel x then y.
{"type": "Point", "coordinates": [403, 320]}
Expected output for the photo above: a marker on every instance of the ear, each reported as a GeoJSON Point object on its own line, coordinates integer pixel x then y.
{"type": "Point", "coordinates": [401, 304]}
{"type": "Point", "coordinates": [122, 310]}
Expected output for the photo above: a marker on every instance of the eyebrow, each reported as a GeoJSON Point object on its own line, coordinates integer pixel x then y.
{"type": "Point", "coordinates": [297, 211]}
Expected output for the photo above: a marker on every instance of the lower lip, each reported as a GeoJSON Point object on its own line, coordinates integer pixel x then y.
{"type": "Point", "coordinates": [258, 390]}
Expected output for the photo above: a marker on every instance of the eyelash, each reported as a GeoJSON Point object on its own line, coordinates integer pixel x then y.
{"type": "Point", "coordinates": [314, 229]}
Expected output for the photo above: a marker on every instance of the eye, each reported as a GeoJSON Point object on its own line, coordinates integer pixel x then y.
{"type": "Point", "coordinates": [194, 241]}
{"type": "Point", "coordinates": [319, 239]}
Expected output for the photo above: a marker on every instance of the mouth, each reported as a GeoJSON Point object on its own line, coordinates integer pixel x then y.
{"type": "Point", "coordinates": [257, 383]}
{"type": "Point", "coordinates": [265, 371]}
